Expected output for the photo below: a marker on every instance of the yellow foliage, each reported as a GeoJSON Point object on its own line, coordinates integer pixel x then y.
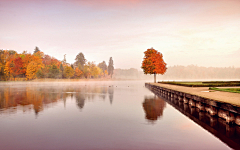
{"type": "Point", "coordinates": [32, 69]}
{"type": "Point", "coordinates": [106, 72]}
{"type": "Point", "coordinates": [39, 54]}
{"type": "Point", "coordinates": [68, 72]}
{"type": "Point", "coordinates": [7, 70]}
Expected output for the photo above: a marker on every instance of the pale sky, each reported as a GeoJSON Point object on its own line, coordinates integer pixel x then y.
{"type": "Point", "coordinates": [199, 32]}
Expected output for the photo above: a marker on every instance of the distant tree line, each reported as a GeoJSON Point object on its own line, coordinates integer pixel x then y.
{"type": "Point", "coordinates": [196, 72]}
{"type": "Point", "coordinates": [27, 66]}
{"type": "Point", "coordinates": [191, 72]}
{"type": "Point", "coordinates": [131, 73]}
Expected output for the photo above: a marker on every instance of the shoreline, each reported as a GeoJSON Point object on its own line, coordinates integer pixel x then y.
{"type": "Point", "coordinates": [220, 104]}
{"type": "Point", "coordinates": [227, 97]}
{"type": "Point", "coordinates": [43, 81]}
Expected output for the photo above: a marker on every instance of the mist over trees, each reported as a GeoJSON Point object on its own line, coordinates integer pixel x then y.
{"type": "Point", "coordinates": [104, 67]}
{"type": "Point", "coordinates": [197, 72]}
{"type": "Point", "coordinates": [191, 72]}
{"type": "Point", "coordinates": [131, 73]}
{"type": "Point", "coordinates": [26, 66]}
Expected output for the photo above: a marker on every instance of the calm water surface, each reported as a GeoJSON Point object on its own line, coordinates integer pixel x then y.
{"type": "Point", "coordinates": [95, 115]}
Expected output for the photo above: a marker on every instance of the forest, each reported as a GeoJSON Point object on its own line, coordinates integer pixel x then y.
{"type": "Point", "coordinates": [26, 66]}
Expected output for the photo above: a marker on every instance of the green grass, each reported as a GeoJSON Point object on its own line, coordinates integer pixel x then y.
{"type": "Point", "coordinates": [233, 90]}
{"type": "Point", "coordinates": [205, 84]}
{"type": "Point", "coordinates": [191, 83]}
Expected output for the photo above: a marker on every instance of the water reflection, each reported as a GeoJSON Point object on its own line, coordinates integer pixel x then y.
{"type": "Point", "coordinates": [110, 92]}
{"type": "Point", "coordinates": [153, 108]}
{"type": "Point", "coordinates": [36, 98]}
{"type": "Point", "coordinates": [91, 122]}
{"type": "Point", "coordinates": [229, 134]}
{"type": "Point", "coordinates": [80, 100]}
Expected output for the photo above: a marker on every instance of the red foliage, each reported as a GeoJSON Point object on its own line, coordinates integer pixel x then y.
{"type": "Point", "coordinates": [47, 61]}
{"type": "Point", "coordinates": [18, 66]}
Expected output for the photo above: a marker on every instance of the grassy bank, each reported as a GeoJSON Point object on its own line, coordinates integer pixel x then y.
{"type": "Point", "coordinates": [232, 90]}
{"type": "Point", "coordinates": [205, 84]}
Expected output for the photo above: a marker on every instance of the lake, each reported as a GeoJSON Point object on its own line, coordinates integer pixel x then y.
{"type": "Point", "coordinates": [95, 115]}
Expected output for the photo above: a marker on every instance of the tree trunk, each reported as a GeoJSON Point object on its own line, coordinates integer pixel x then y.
{"type": "Point", "coordinates": [154, 77]}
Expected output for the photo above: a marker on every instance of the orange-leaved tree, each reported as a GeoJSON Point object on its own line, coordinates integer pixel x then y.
{"type": "Point", "coordinates": [78, 72]}
{"type": "Point", "coordinates": [153, 63]}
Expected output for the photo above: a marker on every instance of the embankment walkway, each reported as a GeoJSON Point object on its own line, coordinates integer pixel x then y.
{"type": "Point", "coordinates": [226, 97]}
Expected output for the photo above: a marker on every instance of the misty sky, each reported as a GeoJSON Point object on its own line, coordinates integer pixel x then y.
{"type": "Point", "coordinates": [199, 32]}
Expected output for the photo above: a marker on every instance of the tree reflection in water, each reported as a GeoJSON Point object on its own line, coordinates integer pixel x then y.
{"type": "Point", "coordinates": [39, 97]}
{"type": "Point", "coordinates": [80, 100]}
{"type": "Point", "coordinates": [110, 93]}
{"type": "Point", "coordinates": [153, 108]}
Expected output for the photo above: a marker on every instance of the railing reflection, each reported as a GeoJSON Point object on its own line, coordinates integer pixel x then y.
{"type": "Point", "coordinates": [28, 98]}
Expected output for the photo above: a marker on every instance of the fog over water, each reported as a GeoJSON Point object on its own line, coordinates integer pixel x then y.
{"type": "Point", "coordinates": [94, 115]}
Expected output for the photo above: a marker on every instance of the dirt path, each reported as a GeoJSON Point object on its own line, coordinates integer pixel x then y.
{"type": "Point", "coordinates": [227, 97]}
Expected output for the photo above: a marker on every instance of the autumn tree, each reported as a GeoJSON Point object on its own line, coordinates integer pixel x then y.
{"type": "Point", "coordinates": [53, 72]}
{"type": "Point", "coordinates": [47, 60]}
{"type": "Point", "coordinates": [99, 72]}
{"type": "Point", "coordinates": [110, 67]}
{"type": "Point", "coordinates": [153, 63]}
{"type": "Point", "coordinates": [51, 67]}
{"type": "Point", "coordinates": [36, 50]}
{"type": "Point", "coordinates": [7, 63]}
{"type": "Point", "coordinates": [91, 70]}
{"type": "Point", "coordinates": [86, 71]}
{"type": "Point", "coordinates": [34, 65]}
{"type": "Point", "coordinates": [80, 61]}
{"type": "Point", "coordinates": [32, 69]}
{"type": "Point", "coordinates": [7, 71]}
{"type": "Point", "coordinates": [39, 54]}
{"type": "Point", "coordinates": [68, 72]}
{"type": "Point", "coordinates": [103, 66]}
{"type": "Point", "coordinates": [12, 52]}
{"type": "Point", "coordinates": [95, 71]}
{"type": "Point", "coordinates": [26, 59]}
{"type": "Point", "coordinates": [61, 69]}
{"type": "Point", "coordinates": [64, 59]}
{"type": "Point", "coordinates": [18, 66]}
{"type": "Point", "coordinates": [78, 73]}
{"type": "Point", "coordinates": [10, 66]}
{"type": "Point", "coordinates": [2, 64]}
{"type": "Point", "coordinates": [105, 72]}
{"type": "Point", "coordinates": [40, 73]}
